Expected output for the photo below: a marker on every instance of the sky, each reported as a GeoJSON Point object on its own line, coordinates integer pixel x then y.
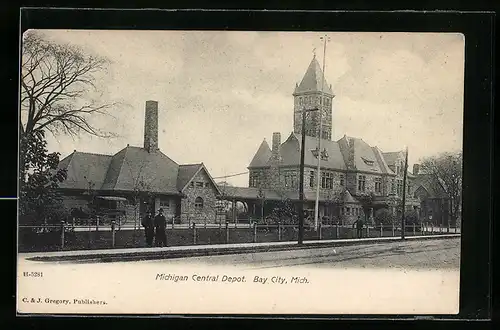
{"type": "Point", "coordinates": [221, 93]}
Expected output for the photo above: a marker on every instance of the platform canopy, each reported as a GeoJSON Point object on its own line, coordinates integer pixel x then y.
{"type": "Point", "coordinates": [112, 198]}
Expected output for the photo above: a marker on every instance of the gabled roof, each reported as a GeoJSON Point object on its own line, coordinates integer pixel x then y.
{"type": "Point", "coordinates": [344, 154]}
{"type": "Point", "coordinates": [83, 168]}
{"type": "Point", "coordinates": [348, 199]}
{"type": "Point", "coordinates": [262, 155]}
{"type": "Point", "coordinates": [384, 167]}
{"type": "Point", "coordinates": [290, 152]}
{"type": "Point", "coordinates": [358, 155]}
{"type": "Point", "coordinates": [129, 169]}
{"type": "Point", "coordinates": [201, 167]}
{"type": "Point", "coordinates": [313, 80]}
{"type": "Point", "coordinates": [427, 182]}
{"type": "Point", "coordinates": [140, 169]}
{"type": "Point", "coordinates": [186, 173]}
{"type": "Point", "coordinates": [391, 157]}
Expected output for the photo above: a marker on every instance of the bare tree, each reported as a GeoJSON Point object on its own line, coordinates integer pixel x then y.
{"type": "Point", "coordinates": [445, 170]}
{"type": "Point", "coordinates": [55, 81]}
{"type": "Point", "coordinates": [141, 189]}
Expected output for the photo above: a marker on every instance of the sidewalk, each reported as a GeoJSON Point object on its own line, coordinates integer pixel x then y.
{"type": "Point", "coordinates": [108, 255]}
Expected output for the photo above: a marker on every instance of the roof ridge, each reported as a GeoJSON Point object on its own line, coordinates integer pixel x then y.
{"type": "Point", "coordinates": [68, 156]}
{"type": "Point", "coordinates": [163, 155]}
{"type": "Point", "coordinates": [89, 153]}
{"type": "Point", "coordinates": [121, 165]}
{"type": "Point", "coordinates": [191, 164]}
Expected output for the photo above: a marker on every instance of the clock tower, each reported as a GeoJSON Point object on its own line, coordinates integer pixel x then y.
{"type": "Point", "coordinates": [308, 94]}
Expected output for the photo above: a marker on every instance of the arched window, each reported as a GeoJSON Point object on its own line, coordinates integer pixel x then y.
{"type": "Point", "coordinates": [198, 203]}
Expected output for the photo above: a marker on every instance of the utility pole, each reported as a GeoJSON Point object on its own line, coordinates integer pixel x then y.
{"type": "Point", "coordinates": [322, 105]}
{"type": "Point", "coordinates": [403, 222]}
{"type": "Point", "coordinates": [301, 176]}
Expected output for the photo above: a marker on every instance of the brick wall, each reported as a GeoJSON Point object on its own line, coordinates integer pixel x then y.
{"type": "Point", "coordinates": [189, 212]}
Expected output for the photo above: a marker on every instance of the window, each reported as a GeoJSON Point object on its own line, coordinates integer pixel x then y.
{"type": "Point", "coordinates": [164, 203]}
{"type": "Point", "coordinates": [393, 187]}
{"type": "Point", "coordinates": [198, 203]}
{"type": "Point", "coordinates": [301, 101]}
{"type": "Point", "coordinates": [399, 187]}
{"type": "Point", "coordinates": [286, 179]}
{"type": "Point", "coordinates": [294, 180]}
{"type": "Point", "coordinates": [378, 185]}
{"type": "Point", "coordinates": [191, 184]}
{"type": "Point", "coordinates": [326, 180]}
{"type": "Point", "coordinates": [199, 184]}
{"type": "Point", "coordinates": [311, 179]}
{"type": "Point", "coordinates": [361, 183]}
{"type": "Point", "coordinates": [409, 187]}
{"type": "Point", "coordinates": [348, 211]}
{"type": "Point", "coordinates": [368, 162]}
{"type": "Point", "coordinates": [342, 179]}
{"type": "Point", "coordinates": [206, 184]}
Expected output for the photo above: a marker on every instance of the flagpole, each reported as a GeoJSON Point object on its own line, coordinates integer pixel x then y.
{"type": "Point", "coordinates": [403, 222]}
{"type": "Point", "coordinates": [322, 103]}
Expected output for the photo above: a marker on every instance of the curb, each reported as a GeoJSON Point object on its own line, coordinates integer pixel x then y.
{"type": "Point", "coordinates": [166, 254]}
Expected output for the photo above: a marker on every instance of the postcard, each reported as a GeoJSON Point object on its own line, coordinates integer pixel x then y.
{"type": "Point", "coordinates": [240, 172]}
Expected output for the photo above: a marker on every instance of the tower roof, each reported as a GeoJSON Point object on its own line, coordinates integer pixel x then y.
{"type": "Point", "coordinates": [313, 79]}
{"type": "Point", "coordinates": [261, 156]}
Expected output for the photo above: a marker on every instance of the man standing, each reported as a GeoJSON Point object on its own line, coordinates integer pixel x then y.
{"type": "Point", "coordinates": [359, 227]}
{"type": "Point", "coordinates": [149, 229]}
{"type": "Point", "coordinates": [160, 224]}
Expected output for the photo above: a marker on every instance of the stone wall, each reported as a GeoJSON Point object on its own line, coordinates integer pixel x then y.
{"type": "Point", "coordinates": [200, 186]}
{"type": "Point", "coordinates": [336, 177]}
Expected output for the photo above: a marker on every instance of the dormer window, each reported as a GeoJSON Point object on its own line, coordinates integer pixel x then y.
{"type": "Point", "coordinates": [324, 153]}
{"type": "Point", "coordinates": [368, 162]}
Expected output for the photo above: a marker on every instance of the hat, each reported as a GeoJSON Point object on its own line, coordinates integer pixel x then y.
{"type": "Point", "coordinates": [160, 210]}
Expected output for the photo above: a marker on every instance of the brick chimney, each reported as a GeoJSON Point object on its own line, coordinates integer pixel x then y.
{"type": "Point", "coordinates": [151, 126]}
{"type": "Point", "coordinates": [274, 174]}
{"type": "Point", "coordinates": [416, 169]}
{"type": "Point", "coordinates": [276, 145]}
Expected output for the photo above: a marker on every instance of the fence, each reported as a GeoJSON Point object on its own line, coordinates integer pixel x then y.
{"type": "Point", "coordinates": [68, 237]}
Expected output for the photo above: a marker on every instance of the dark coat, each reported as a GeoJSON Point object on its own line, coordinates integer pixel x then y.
{"type": "Point", "coordinates": [147, 221]}
{"type": "Point", "coordinates": [358, 223]}
{"type": "Point", "coordinates": [160, 221]}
